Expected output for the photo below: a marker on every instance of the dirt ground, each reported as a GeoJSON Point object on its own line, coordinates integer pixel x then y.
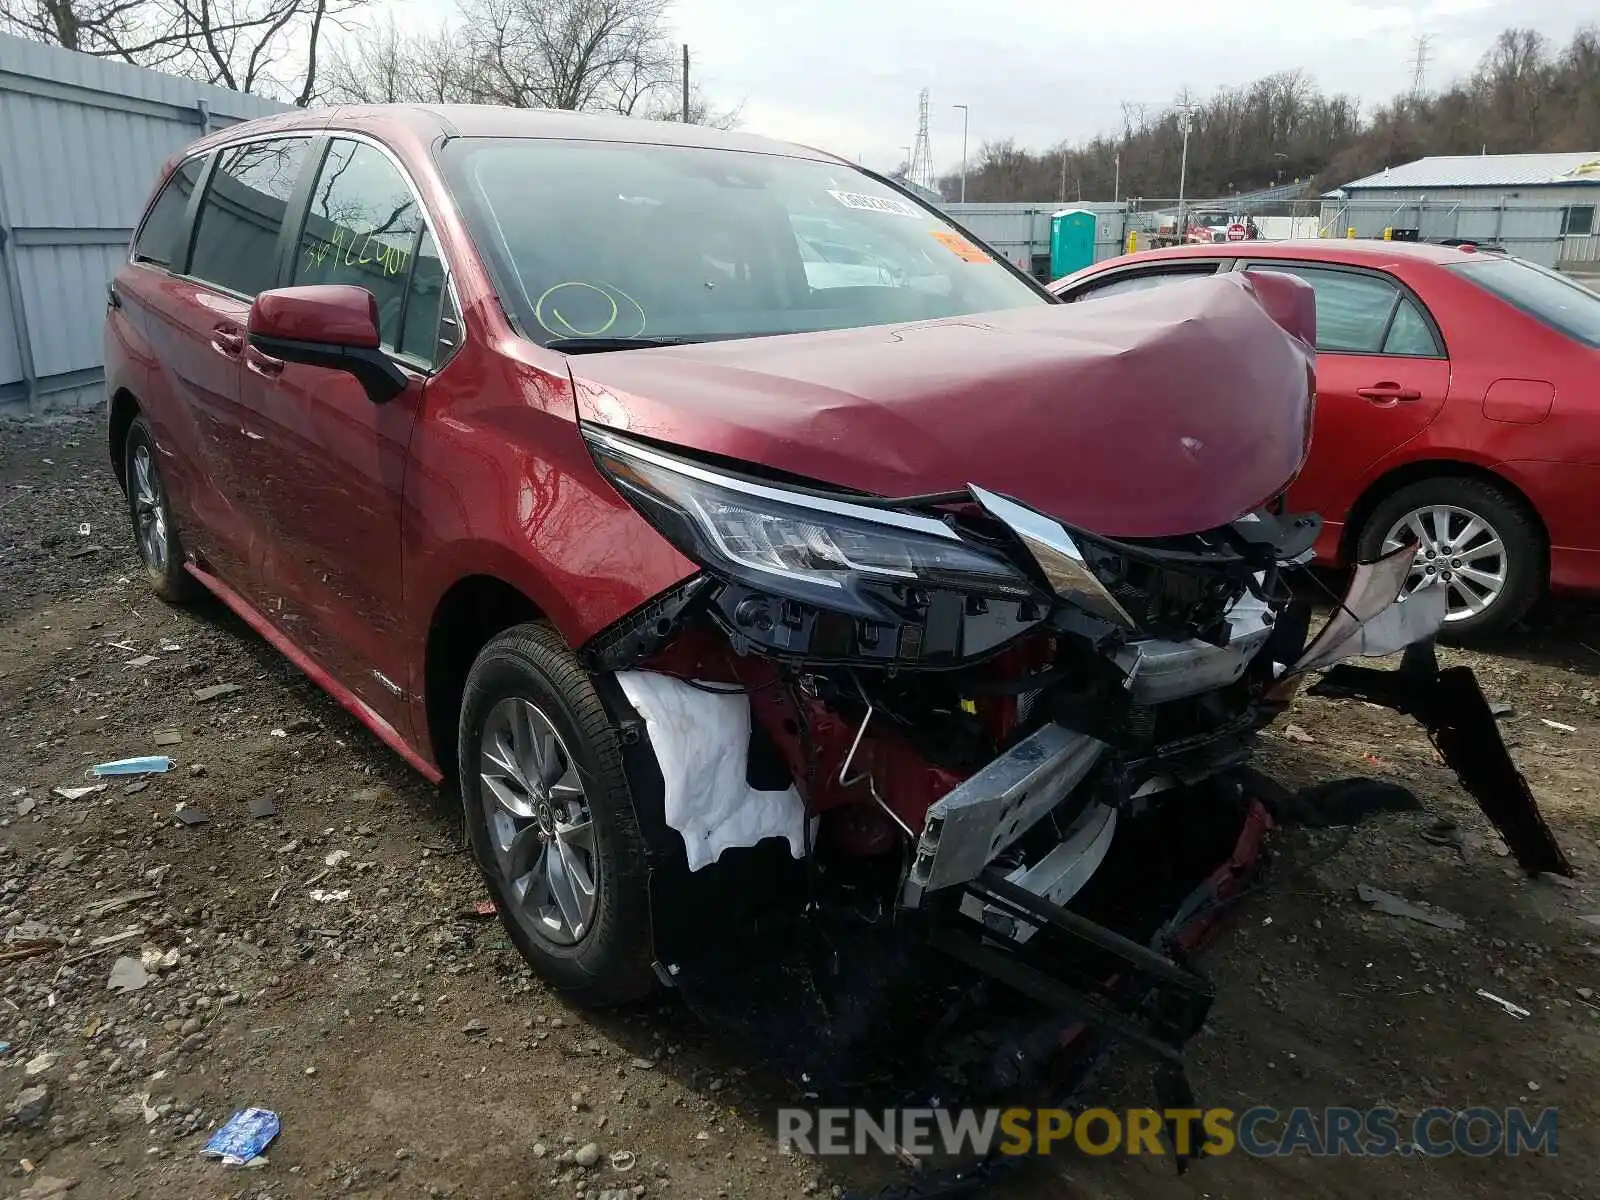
{"type": "Point", "coordinates": [409, 1053]}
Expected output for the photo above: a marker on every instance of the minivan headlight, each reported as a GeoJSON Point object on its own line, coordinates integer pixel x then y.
{"type": "Point", "coordinates": [796, 544]}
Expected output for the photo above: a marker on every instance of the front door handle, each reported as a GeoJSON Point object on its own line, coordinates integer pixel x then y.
{"type": "Point", "coordinates": [227, 341]}
{"type": "Point", "coordinates": [263, 364]}
{"type": "Point", "coordinates": [1388, 393]}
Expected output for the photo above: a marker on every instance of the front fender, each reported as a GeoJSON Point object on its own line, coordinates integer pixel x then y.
{"type": "Point", "coordinates": [501, 484]}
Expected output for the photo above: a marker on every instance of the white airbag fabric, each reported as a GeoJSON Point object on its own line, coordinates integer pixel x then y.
{"type": "Point", "coordinates": [702, 742]}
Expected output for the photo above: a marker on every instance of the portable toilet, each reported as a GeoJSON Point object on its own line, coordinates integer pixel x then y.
{"type": "Point", "coordinates": [1071, 241]}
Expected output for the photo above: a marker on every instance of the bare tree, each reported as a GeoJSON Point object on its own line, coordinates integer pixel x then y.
{"type": "Point", "coordinates": [267, 46]}
{"type": "Point", "coordinates": [575, 54]}
{"type": "Point", "coordinates": [135, 31]}
{"type": "Point", "coordinates": [595, 55]}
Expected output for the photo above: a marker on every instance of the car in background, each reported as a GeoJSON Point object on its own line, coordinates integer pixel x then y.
{"type": "Point", "coordinates": [1209, 226]}
{"type": "Point", "coordinates": [1458, 408]}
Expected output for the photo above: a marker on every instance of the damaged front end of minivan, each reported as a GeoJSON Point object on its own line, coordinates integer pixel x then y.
{"type": "Point", "coordinates": [945, 780]}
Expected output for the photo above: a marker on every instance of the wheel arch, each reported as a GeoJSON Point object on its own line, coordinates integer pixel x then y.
{"type": "Point", "coordinates": [1393, 480]}
{"type": "Point", "coordinates": [470, 612]}
{"type": "Point", "coordinates": [124, 410]}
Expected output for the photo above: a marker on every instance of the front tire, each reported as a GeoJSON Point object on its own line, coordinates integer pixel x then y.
{"type": "Point", "coordinates": [1478, 541]}
{"type": "Point", "coordinates": [155, 534]}
{"type": "Point", "coordinates": [551, 818]}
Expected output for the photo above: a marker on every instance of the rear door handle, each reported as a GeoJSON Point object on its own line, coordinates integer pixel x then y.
{"type": "Point", "coordinates": [1388, 393]}
{"type": "Point", "coordinates": [263, 364]}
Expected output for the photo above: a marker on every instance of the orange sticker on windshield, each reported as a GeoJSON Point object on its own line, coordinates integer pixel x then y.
{"type": "Point", "coordinates": [959, 246]}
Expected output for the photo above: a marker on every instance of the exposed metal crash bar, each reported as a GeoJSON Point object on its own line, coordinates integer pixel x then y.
{"type": "Point", "coordinates": [989, 811]}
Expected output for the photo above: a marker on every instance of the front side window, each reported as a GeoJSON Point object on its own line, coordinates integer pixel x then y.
{"type": "Point", "coordinates": [158, 237]}
{"type": "Point", "coordinates": [630, 240]}
{"type": "Point", "coordinates": [236, 233]}
{"type": "Point", "coordinates": [1353, 310]}
{"type": "Point", "coordinates": [361, 229]}
{"type": "Point", "coordinates": [1547, 297]}
{"type": "Point", "coordinates": [425, 303]}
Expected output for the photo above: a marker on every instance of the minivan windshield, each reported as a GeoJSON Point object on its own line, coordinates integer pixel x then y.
{"type": "Point", "coordinates": [1562, 304]}
{"type": "Point", "coordinates": [629, 240]}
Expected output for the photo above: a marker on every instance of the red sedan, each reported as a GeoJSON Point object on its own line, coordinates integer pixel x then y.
{"type": "Point", "coordinates": [1458, 407]}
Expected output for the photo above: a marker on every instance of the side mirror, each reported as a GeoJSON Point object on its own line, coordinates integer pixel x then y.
{"type": "Point", "coordinates": [332, 325]}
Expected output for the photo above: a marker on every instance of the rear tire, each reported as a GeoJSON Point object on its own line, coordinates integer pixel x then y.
{"type": "Point", "coordinates": [155, 533]}
{"type": "Point", "coordinates": [551, 818]}
{"type": "Point", "coordinates": [1485, 546]}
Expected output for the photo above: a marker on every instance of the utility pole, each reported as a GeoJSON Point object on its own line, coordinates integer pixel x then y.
{"type": "Point", "coordinates": [1116, 180]}
{"type": "Point", "coordinates": [686, 83]}
{"type": "Point", "coordinates": [1185, 108]}
{"type": "Point", "coordinates": [964, 115]}
{"type": "Point", "coordinates": [1063, 174]}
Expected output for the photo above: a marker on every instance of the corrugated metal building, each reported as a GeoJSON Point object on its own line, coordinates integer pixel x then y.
{"type": "Point", "coordinates": [81, 140]}
{"type": "Point", "coordinates": [1542, 207]}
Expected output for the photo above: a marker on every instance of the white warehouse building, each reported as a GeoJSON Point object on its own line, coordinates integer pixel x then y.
{"type": "Point", "coordinates": [1541, 207]}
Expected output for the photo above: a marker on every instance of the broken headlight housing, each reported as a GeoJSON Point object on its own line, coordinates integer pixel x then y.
{"type": "Point", "coordinates": [800, 545]}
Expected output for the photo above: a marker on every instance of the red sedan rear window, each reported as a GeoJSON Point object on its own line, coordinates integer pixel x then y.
{"type": "Point", "coordinates": [1558, 302]}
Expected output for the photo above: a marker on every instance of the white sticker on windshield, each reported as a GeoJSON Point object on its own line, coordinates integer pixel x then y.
{"type": "Point", "coordinates": [882, 204]}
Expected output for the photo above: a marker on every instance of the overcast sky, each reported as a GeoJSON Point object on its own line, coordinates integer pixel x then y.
{"type": "Point", "coordinates": [844, 74]}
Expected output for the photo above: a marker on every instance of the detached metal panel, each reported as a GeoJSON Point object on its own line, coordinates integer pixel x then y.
{"type": "Point", "coordinates": [81, 142]}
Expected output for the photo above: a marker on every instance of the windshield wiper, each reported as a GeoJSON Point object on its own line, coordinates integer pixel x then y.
{"type": "Point", "coordinates": [597, 345]}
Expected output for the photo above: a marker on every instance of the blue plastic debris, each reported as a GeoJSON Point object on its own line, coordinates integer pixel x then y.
{"type": "Point", "coordinates": [155, 765]}
{"type": "Point", "coordinates": [245, 1135]}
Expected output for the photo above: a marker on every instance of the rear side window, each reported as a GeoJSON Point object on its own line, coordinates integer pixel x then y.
{"type": "Point", "coordinates": [236, 234]}
{"type": "Point", "coordinates": [362, 229]}
{"type": "Point", "coordinates": [158, 238]}
{"type": "Point", "coordinates": [1563, 305]}
{"type": "Point", "coordinates": [1144, 280]}
{"type": "Point", "coordinates": [1353, 310]}
{"type": "Point", "coordinates": [1410, 334]}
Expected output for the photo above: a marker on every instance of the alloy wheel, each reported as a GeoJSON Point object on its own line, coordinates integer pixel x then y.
{"type": "Point", "coordinates": [539, 824]}
{"type": "Point", "coordinates": [149, 511]}
{"type": "Point", "coordinates": [1457, 550]}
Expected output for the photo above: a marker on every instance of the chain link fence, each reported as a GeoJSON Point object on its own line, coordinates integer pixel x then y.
{"type": "Point", "coordinates": [1562, 235]}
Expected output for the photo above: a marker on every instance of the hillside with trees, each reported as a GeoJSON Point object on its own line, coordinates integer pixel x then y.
{"type": "Point", "coordinates": [1526, 95]}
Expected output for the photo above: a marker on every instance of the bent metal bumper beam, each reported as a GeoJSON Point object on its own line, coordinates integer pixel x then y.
{"type": "Point", "coordinates": [989, 811]}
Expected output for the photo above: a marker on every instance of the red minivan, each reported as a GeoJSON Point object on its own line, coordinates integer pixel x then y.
{"type": "Point", "coordinates": [751, 549]}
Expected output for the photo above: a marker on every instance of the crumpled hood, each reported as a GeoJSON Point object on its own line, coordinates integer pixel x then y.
{"type": "Point", "coordinates": [1156, 413]}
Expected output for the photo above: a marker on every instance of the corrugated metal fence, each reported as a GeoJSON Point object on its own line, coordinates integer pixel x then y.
{"type": "Point", "coordinates": [1536, 229]}
{"type": "Point", "coordinates": [1529, 228]}
{"type": "Point", "coordinates": [1021, 231]}
{"type": "Point", "coordinates": [81, 141]}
